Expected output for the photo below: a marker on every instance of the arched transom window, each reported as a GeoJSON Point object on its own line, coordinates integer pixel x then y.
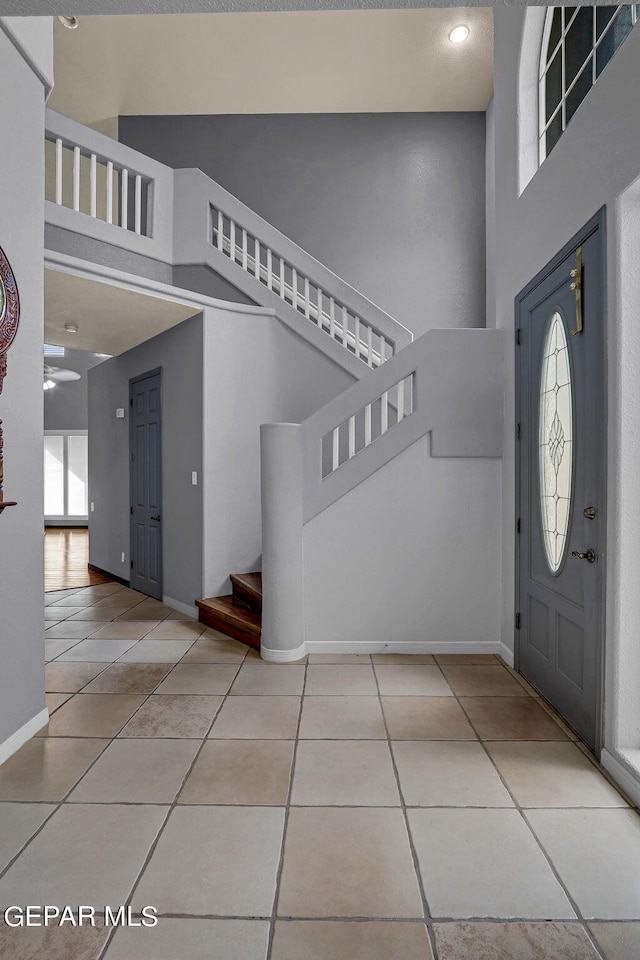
{"type": "Point", "coordinates": [577, 44]}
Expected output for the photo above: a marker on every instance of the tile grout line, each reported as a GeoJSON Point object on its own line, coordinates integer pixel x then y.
{"type": "Point", "coordinates": [109, 741]}
{"type": "Point", "coordinates": [574, 906]}
{"type": "Point", "coordinates": [276, 896]}
{"type": "Point", "coordinates": [170, 809]}
{"type": "Point", "coordinates": [428, 921]}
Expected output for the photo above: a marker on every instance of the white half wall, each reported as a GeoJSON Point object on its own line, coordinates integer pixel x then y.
{"type": "Point", "coordinates": [408, 561]}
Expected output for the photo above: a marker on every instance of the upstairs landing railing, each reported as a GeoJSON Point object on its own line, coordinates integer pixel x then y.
{"type": "Point", "coordinates": [102, 189]}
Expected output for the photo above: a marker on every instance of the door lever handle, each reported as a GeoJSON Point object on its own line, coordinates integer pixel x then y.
{"type": "Point", "coordinates": [155, 518]}
{"type": "Point", "coordinates": [589, 556]}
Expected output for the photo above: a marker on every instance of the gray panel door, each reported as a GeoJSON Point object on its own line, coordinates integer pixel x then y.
{"type": "Point", "coordinates": [146, 485]}
{"type": "Point", "coordinates": [560, 482]}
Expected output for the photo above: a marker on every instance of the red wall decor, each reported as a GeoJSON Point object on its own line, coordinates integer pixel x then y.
{"type": "Point", "coordinates": [9, 319]}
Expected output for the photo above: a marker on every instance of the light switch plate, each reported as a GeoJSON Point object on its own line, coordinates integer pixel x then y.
{"type": "Point", "coordinates": [120, 413]}
{"type": "Point", "coordinates": [194, 478]}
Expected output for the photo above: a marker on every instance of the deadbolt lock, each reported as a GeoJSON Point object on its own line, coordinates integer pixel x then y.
{"type": "Point", "coordinates": [589, 556]}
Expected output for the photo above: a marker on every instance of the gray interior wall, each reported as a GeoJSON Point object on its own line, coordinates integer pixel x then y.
{"type": "Point", "coordinates": [593, 164]}
{"type": "Point", "coordinates": [393, 203]}
{"type": "Point", "coordinates": [411, 555]}
{"type": "Point", "coordinates": [258, 371]}
{"type": "Point", "coordinates": [66, 407]}
{"type": "Point", "coordinates": [490, 231]}
{"type": "Point", "coordinates": [21, 552]}
{"type": "Point", "coordinates": [178, 352]}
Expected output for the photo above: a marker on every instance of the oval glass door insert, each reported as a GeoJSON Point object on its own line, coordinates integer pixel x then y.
{"type": "Point", "coordinates": [555, 443]}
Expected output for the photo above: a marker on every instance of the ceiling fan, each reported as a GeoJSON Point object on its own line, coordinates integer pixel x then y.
{"type": "Point", "coordinates": [56, 375]}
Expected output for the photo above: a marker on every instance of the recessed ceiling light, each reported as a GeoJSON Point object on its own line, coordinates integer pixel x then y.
{"type": "Point", "coordinates": [459, 34]}
{"type": "Point", "coordinates": [71, 23]}
{"type": "Point", "coordinates": [71, 327]}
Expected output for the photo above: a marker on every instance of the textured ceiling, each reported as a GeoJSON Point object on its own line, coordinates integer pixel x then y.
{"type": "Point", "coordinates": [80, 7]}
{"type": "Point", "coordinates": [322, 62]}
{"type": "Point", "coordinates": [109, 319]}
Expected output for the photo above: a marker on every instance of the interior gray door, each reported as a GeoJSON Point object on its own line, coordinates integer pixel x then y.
{"type": "Point", "coordinates": [146, 484]}
{"type": "Point", "coordinates": [561, 482]}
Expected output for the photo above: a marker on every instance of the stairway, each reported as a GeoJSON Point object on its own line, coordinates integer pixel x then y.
{"type": "Point", "coordinates": [240, 614]}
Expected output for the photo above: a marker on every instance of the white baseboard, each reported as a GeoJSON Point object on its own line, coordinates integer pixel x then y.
{"type": "Point", "coordinates": [506, 653]}
{"type": "Point", "coordinates": [627, 778]}
{"type": "Point", "coordinates": [20, 737]}
{"type": "Point", "coordinates": [403, 646]}
{"type": "Point", "coordinates": [181, 607]}
{"type": "Point", "coordinates": [283, 656]}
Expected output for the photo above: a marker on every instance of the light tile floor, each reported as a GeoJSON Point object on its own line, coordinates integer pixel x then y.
{"type": "Point", "coordinates": [354, 808]}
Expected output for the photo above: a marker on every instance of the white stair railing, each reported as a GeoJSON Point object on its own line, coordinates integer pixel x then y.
{"type": "Point", "coordinates": [99, 188]}
{"type": "Point", "coordinates": [117, 194]}
{"type": "Point", "coordinates": [295, 288]}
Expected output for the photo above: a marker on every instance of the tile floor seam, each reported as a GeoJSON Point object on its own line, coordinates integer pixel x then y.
{"type": "Point", "coordinates": [574, 906]}
{"type": "Point", "coordinates": [276, 897]}
{"type": "Point", "coordinates": [57, 805]}
{"type": "Point", "coordinates": [414, 854]}
{"type": "Point", "coordinates": [428, 919]}
{"type": "Point", "coordinates": [170, 809]}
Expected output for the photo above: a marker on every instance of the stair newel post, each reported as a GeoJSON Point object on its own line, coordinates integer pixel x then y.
{"type": "Point", "coordinates": [282, 522]}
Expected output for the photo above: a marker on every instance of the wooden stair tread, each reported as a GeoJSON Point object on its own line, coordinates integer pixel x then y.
{"type": "Point", "coordinates": [234, 619]}
{"type": "Point", "coordinates": [250, 583]}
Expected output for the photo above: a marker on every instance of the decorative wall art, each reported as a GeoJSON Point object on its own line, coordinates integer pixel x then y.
{"type": "Point", "coordinates": [9, 319]}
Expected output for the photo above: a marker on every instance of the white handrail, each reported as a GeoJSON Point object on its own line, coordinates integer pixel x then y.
{"type": "Point", "coordinates": [104, 190]}
{"type": "Point", "coordinates": [122, 196]}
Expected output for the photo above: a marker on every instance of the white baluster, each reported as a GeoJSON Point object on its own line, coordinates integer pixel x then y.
{"type": "Point", "coordinates": [401, 401]}
{"type": "Point", "coordinates": [94, 185]}
{"type": "Point", "coordinates": [356, 345]}
{"type": "Point", "coordinates": [256, 258]}
{"type": "Point", "coordinates": [109, 191]}
{"type": "Point", "coordinates": [124, 197]}
{"type": "Point", "coordinates": [383, 350]}
{"type": "Point", "coordinates": [269, 268]}
{"type": "Point", "coordinates": [384, 412]}
{"type": "Point", "coordinates": [245, 252]}
{"type": "Point", "coordinates": [352, 437]}
{"type": "Point", "coordinates": [336, 448]}
{"type": "Point", "coordinates": [332, 317]}
{"type": "Point", "coordinates": [282, 286]}
{"type": "Point", "coordinates": [320, 309]}
{"type": "Point", "coordinates": [367, 425]}
{"type": "Point", "coordinates": [307, 302]}
{"type": "Point", "coordinates": [58, 171]}
{"type": "Point", "coordinates": [294, 288]}
{"type": "Point", "coordinates": [232, 240]}
{"type": "Point", "coordinates": [76, 178]}
{"type": "Point", "coordinates": [370, 346]}
{"type": "Point", "coordinates": [138, 203]}
{"type": "Point", "coordinates": [345, 327]}
{"type": "Point", "coordinates": [220, 237]}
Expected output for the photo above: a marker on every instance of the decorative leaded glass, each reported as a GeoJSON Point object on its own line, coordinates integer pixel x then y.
{"type": "Point", "coordinates": [555, 441]}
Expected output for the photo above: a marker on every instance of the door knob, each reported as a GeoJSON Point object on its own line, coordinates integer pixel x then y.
{"type": "Point", "coordinates": [589, 556]}
{"type": "Point", "coordinates": [155, 518]}
{"type": "Point", "coordinates": [589, 513]}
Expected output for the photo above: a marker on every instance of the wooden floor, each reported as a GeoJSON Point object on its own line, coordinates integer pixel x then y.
{"type": "Point", "coordinates": [66, 558]}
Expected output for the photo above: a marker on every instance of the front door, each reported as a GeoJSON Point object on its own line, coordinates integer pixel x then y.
{"type": "Point", "coordinates": [560, 481]}
{"type": "Point", "coordinates": [146, 485]}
